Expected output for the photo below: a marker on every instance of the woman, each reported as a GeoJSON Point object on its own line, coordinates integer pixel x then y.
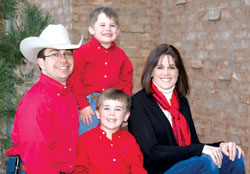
{"type": "Point", "coordinates": [162, 124]}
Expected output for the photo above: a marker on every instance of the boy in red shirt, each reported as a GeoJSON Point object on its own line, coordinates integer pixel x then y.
{"type": "Point", "coordinates": [99, 65]}
{"type": "Point", "coordinates": [108, 149]}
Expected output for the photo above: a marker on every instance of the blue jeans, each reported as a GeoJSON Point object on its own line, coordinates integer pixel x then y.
{"type": "Point", "coordinates": [21, 172]}
{"type": "Point", "coordinates": [84, 128]}
{"type": "Point", "coordinates": [204, 165]}
{"type": "Point", "coordinates": [12, 163]}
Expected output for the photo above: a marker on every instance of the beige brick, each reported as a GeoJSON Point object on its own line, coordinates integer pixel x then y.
{"type": "Point", "coordinates": [196, 63]}
{"type": "Point", "coordinates": [225, 75]}
{"type": "Point", "coordinates": [133, 28]}
{"type": "Point", "coordinates": [127, 20]}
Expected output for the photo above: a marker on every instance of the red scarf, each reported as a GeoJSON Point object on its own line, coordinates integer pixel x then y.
{"type": "Point", "coordinates": [179, 123]}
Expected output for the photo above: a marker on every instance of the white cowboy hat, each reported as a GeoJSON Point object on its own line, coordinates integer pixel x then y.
{"type": "Point", "coordinates": [53, 36]}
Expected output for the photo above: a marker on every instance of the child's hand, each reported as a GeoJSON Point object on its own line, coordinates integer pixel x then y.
{"type": "Point", "coordinates": [86, 115]}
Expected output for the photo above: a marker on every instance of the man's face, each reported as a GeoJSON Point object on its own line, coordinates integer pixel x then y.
{"type": "Point", "coordinates": [105, 30]}
{"type": "Point", "coordinates": [58, 64]}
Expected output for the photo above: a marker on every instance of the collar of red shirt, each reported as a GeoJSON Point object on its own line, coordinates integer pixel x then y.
{"type": "Point", "coordinates": [97, 44]}
{"type": "Point", "coordinates": [54, 85]}
{"type": "Point", "coordinates": [102, 133]}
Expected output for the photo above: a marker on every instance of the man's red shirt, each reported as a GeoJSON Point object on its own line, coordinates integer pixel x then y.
{"type": "Point", "coordinates": [45, 128]}
{"type": "Point", "coordinates": [97, 69]}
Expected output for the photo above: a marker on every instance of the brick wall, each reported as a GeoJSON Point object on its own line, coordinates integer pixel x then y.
{"type": "Point", "coordinates": [213, 38]}
{"type": "Point", "coordinates": [61, 10]}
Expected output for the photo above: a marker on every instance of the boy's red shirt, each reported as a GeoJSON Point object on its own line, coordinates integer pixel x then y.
{"type": "Point", "coordinates": [97, 69]}
{"type": "Point", "coordinates": [97, 154]}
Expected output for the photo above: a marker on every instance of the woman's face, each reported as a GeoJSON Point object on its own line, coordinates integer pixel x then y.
{"type": "Point", "coordinates": [165, 74]}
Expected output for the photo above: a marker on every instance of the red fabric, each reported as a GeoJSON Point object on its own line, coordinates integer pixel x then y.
{"type": "Point", "coordinates": [45, 128]}
{"type": "Point", "coordinates": [179, 123]}
{"type": "Point", "coordinates": [98, 154]}
{"type": "Point", "coordinates": [97, 69]}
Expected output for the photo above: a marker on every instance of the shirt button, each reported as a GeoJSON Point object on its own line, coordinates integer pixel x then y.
{"type": "Point", "coordinates": [111, 145]}
{"type": "Point", "coordinates": [105, 76]}
{"type": "Point", "coordinates": [106, 63]}
{"type": "Point", "coordinates": [106, 51]}
{"type": "Point", "coordinates": [58, 94]}
{"type": "Point", "coordinates": [99, 48]}
{"type": "Point", "coordinates": [70, 166]}
{"type": "Point", "coordinates": [69, 149]}
{"type": "Point", "coordinates": [65, 87]}
{"type": "Point", "coordinates": [103, 89]}
{"type": "Point", "coordinates": [114, 160]}
{"type": "Point", "coordinates": [119, 136]}
{"type": "Point", "coordinates": [103, 133]}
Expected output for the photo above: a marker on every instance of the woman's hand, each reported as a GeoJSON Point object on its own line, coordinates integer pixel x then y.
{"type": "Point", "coordinates": [229, 149]}
{"type": "Point", "coordinates": [214, 153]}
{"type": "Point", "coordinates": [86, 115]}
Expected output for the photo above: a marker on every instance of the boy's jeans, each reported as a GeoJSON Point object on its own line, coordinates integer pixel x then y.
{"type": "Point", "coordinates": [84, 128]}
{"type": "Point", "coordinates": [21, 172]}
{"type": "Point", "coordinates": [205, 165]}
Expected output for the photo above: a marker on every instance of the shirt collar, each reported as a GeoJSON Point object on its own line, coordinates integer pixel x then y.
{"type": "Point", "coordinates": [98, 45]}
{"type": "Point", "coordinates": [166, 92]}
{"type": "Point", "coordinates": [102, 133]}
{"type": "Point", "coordinates": [54, 85]}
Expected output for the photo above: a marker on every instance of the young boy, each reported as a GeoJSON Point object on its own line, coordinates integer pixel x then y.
{"type": "Point", "coordinates": [108, 149]}
{"type": "Point", "coordinates": [99, 65]}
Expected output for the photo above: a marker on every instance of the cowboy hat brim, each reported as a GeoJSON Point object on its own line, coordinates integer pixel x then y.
{"type": "Point", "coordinates": [31, 46]}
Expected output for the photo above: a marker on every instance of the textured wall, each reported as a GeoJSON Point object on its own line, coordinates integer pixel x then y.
{"type": "Point", "coordinates": [213, 38]}
{"type": "Point", "coordinates": [61, 10]}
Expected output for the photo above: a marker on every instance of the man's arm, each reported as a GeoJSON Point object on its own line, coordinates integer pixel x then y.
{"type": "Point", "coordinates": [35, 124]}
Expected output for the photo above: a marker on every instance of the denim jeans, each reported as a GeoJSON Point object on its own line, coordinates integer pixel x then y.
{"type": "Point", "coordinates": [204, 165]}
{"type": "Point", "coordinates": [21, 163]}
{"type": "Point", "coordinates": [84, 128]}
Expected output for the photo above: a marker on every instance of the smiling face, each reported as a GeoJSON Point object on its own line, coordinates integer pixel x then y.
{"type": "Point", "coordinates": [112, 113]}
{"type": "Point", "coordinates": [57, 68]}
{"type": "Point", "coordinates": [105, 30]}
{"type": "Point", "coordinates": [165, 74]}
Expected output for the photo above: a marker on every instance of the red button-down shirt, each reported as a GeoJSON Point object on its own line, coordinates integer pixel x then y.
{"type": "Point", "coordinates": [97, 69]}
{"type": "Point", "coordinates": [45, 128]}
{"type": "Point", "coordinates": [98, 154]}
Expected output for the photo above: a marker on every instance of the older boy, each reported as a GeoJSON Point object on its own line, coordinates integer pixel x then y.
{"type": "Point", "coordinates": [46, 122]}
{"type": "Point", "coordinates": [108, 149]}
{"type": "Point", "coordinates": [99, 65]}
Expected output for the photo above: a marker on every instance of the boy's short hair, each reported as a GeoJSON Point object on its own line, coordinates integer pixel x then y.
{"type": "Point", "coordinates": [114, 94]}
{"type": "Point", "coordinates": [109, 12]}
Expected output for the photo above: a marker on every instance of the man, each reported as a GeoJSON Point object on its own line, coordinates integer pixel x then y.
{"type": "Point", "coordinates": [46, 122]}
